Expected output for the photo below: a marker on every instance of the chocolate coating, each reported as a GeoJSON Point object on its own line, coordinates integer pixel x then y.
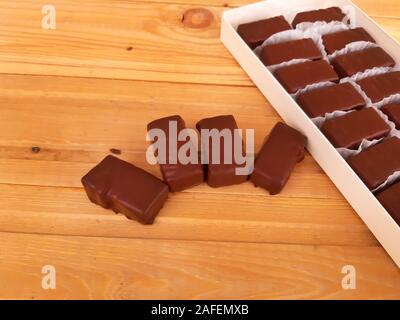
{"type": "Point", "coordinates": [339, 40]}
{"type": "Point", "coordinates": [350, 130]}
{"type": "Point", "coordinates": [178, 176]}
{"type": "Point", "coordinates": [255, 33]}
{"type": "Point", "coordinates": [222, 174]}
{"type": "Point", "coordinates": [296, 77]}
{"type": "Point", "coordinates": [354, 62]}
{"type": "Point", "coordinates": [375, 164]}
{"type": "Point", "coordinates": [120, 186]}
{"type": "Point", "coordinates": [276, 160]}
{"type": "Point", "coordinates": [393, 112]}
{"type": "Point", "coordinates": [319, 102]}
{"type": "Point", "coordinates": [286, 51]}
{"type": "Point", "coordinates": [390, 199]}
{"type": "Point", "coordinates": [381, 86]}
{"type": "Point", "coordinates": [327, 15]}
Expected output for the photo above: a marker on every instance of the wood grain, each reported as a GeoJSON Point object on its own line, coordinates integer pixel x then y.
{"type": "Point", "coordinates": [210, 216]}
{"type": "Point", "coordinates": [92, 38]}
{"type": "Point", "coordinates": [92, 85]}
{"type": "Point", "coordinates": [98, 268]}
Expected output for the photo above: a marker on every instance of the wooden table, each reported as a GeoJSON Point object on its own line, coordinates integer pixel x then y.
{"type": "Point", "coordinates": [70, 95]}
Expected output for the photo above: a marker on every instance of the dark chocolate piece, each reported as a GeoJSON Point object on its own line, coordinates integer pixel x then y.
{"type": "Point", "coordinates": [354, 62]}
{"type": "Point", "coordinates": [350, 130]}
{"type": "Point", "coordinates": [277, 158]}
{"type": "Point", "coordinates": [339, 97]}
{"type": "Point", "coordinates": [376, 164]}
{"type": "Point", "coordinates": [381, 86]}
{"type": "Point", "coordinates": [222, 173]}
{"type": "Point", "coordinates": [120, 186]}
{"type": "Point", "coordinates": [178, 176]}
{"type": "Point", "coordinates": [339, 40]}
{"type": "Point", "coordinates": [390, 199]}
{"type": "Point", "coordinates": [326, 15]}
{"type": "Point", "coordinates": [296, 77]}
{"type": "Point", "coordinates": [255, 33]}
{"type": "Point", "coordinates": [286, 51]}
{"type": "Point", "coordinates": [393, 112]}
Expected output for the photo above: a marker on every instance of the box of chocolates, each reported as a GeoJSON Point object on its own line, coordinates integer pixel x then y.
{"type": "Point", "coordinates": [332, 74]}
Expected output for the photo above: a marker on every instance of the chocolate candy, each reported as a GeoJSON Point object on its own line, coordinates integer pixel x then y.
{"type": "Point", "coordinates": [120, 186]}
{"type": "Point", "coordinates": [327, 15]}
{"type": "Point", "coordinates": [255, 33]}
{"type": "Point", "coordinates": [390, 199]}
{"type": "Point", "coordinates": [376, 164]}
{"type": "Point", "coordinates": [222, 173]}
{"type": "Point", "coordinates": [354, 62]}
{"type": "Point", "coordinates": [381, 86]}
{"type": "Point", "coordinates": [319, 102]}
{"type": "Point", "coordinates": [286, 51]}
{"type": "Point", "coordinates": [298, 76]}
{"type": "Point", "coordinates": [393, 112]}
{"type": "Point", "coordinates": [350, 130]}
{"type": "Point", "coordinates": [274, 163]}
{"type": "Point", "coordinates": [178, 176]}
{"type": "Point", "coordinates": [339, 40]}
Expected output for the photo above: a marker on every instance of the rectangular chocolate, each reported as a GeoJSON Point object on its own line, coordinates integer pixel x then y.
{"type": "Point", "coordinates": [319, 102]}
{"type": "Point", "coordinates": [222, 173]}
{"type": "Point", "coordinates": [120, 186]}
{"type": "Point", "coordinates": [327, 15]}
{"type": "Point", "coordinates": [177, 175]}
{"type": "Point", "coordinates": [255, 33]}
{"type": "Point", "coordinates": [277, 158]}
{"type": "Point", "coordinates": [287, 51]}
{"type": "Point", "coordinates": [339, 40]}
{"type": "Point", "coordinates": [350, 130]}
{"type": "Point", "coordinates": [393, 112]}
{"type": "Point", "coordinates": [390, 199]}
{"type": "Point", "coordinates": [381, 86]}
{"type": "Point", "coordinates": [296, 77]}
{"type": "Point", "coordinates": [377, 163]}
{"type": "Point", "coordinates": [359, 61]}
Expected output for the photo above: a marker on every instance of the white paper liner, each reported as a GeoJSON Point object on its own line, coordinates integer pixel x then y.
{"type": "Point", "coordinates": [369, 73]}
{"type": "Point", "coordinates": [319, 121]}
{"type": "Point", "coordinates": [389, 100]}
{"type": "Point", "coordinates": [365, 144]}
{"type": "Point", "coordinates": [280, 37]}
{"type": "Point", "coordinates": [312, 87]}
{"type": "Point", "coordinates": [391, 180]}
{"type": "Point", "coordinates": [287, 64]}
{"type": "Point", "coordinates": [322, 27]}
{"type": "Point", "coordinates": [352, 47]}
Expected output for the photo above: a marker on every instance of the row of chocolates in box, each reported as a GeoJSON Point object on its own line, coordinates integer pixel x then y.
{"type": "Point", "coordinates": [346, 83]}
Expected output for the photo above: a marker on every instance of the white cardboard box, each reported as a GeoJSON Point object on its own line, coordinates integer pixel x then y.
{"type": "Point", "coordinates": [354, 190]}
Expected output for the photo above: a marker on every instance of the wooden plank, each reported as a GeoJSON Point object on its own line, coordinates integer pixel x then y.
{"type": "Point", "coordinates": [76, 123]}
{"type": "Point", "coordinates": [197, 216]}
{"type": "Point", "coordinates": [386, 8]}
{"type": "Point", "coordinates": [92, 39]}
{"type": "Point", "coordinates": [98, 268]}
{"type": "Point", "coordinates": [68, 174]}
{"type": "Point", "coordinates": [96, 113]}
